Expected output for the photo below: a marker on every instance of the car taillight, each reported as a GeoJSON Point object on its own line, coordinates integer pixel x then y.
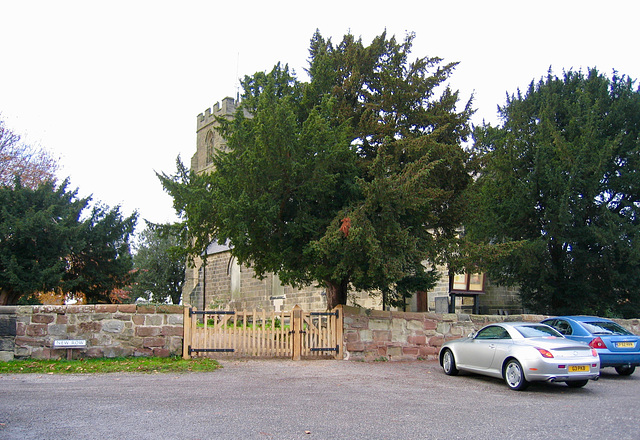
{"type": "Point", "coordinates": [544, 353]}
{"type": "Point", "coordinates": [597, 343]}
{"type": "Point", "coordinates": [594, 352]}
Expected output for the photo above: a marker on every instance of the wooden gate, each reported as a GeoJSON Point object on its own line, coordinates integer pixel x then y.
{"type": "Point", "coordinates": [295, 334]}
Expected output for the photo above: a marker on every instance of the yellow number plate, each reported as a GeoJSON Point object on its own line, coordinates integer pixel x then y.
{"type": "Point", "coordinates": [625, 344]}
{"type": "Point", "coordinates": [578, 368]}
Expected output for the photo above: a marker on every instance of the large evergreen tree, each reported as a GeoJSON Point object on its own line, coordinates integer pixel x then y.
{"type": "Point", "coordinates": [559, 178]}
{"type": "Point", "coordinates": [37, 231]}
{"type": "Point", "coordinates": [351, 180]}
{"type": "Point", "coordinates": [100, 261]}
{"type": "Point", "coordinates": [45, 244]}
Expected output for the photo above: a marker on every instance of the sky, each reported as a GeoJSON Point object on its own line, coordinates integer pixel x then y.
{"type": "Point", "coordinates": [113, 89]}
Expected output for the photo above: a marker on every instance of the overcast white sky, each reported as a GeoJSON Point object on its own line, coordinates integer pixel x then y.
{"type": "Point", "coordinates": [113, 88]}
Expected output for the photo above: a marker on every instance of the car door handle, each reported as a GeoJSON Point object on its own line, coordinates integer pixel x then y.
{"type": "Point", "coordinates": [492, 345]}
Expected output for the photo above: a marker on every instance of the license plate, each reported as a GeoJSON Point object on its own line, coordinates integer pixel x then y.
{"type": "Point", "coordinates": [578, 368]}
{"type": "Point", "coordinates": [625, 344]}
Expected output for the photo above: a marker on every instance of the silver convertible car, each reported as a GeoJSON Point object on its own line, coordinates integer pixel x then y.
{"type": "Point", "coordinates": [521, 352]}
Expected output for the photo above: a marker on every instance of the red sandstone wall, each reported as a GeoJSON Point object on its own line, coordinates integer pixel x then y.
{"type": "Point", "coordinates": [111, 330]}
{"type": "Point", "coordinates": [382, 335]}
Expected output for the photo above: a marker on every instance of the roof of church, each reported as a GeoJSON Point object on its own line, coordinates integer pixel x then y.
{"type": "Point", "coordinates": [216, 248]}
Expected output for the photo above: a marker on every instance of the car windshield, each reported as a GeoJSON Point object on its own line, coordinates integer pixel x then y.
{"type": "Point", "coordinates": [537, 331]}
{"type": "Point", "coordinates": [605, 328]}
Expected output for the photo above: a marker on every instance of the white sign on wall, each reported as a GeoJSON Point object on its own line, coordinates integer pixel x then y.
{"type": "Point", "coordinates": [70, 343]}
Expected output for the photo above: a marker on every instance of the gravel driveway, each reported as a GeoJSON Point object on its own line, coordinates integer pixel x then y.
{"type": "Point", "coordinates": [274, 399]}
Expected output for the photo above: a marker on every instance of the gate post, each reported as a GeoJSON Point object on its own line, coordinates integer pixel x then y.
{"type": "Point", "coordinates": [186, 333]}
{"type": "Point", "coordinates": [296, 328]}
{"type": "Point", "coordinates": [339, 331]}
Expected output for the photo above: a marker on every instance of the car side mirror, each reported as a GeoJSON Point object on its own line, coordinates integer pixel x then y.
{"type": "Point", "coordinates": [472, 334]}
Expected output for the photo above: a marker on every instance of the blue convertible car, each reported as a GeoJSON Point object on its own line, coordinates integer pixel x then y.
{"type": "Point", "coordinates": [616, 346]}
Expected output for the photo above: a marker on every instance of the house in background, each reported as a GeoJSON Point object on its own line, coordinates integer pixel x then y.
{"type": "Point", "coordinates": [223, 283]}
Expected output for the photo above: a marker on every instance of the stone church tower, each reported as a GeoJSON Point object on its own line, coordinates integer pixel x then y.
{"type": "Point", "coordinates": [207, 140]}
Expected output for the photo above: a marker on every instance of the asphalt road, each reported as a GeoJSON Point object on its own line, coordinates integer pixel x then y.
{"type": "Point", "coordinates": [314, 400]}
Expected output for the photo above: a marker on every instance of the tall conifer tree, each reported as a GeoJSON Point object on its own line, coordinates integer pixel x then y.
{"type": "Point", "coordinates": [559, 177]}
{"type": "Point", "coordinates": [350, 180]}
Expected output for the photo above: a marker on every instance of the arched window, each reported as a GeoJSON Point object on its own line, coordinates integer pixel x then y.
{"type": "Point", "coordinates": [277, 289]}
{"type": "Point", "coordinates": [234, 274]}
{"type": "Point", "coordinates": [210, 145]}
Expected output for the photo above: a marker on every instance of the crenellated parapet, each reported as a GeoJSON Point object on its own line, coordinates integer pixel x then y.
{"type": "Point", "coordinates": [227, 107]}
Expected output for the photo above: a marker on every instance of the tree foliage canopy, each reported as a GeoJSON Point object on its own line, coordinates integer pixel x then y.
{"type": "Point", "coordinates": [559, 179]}
{"type": "Point", "coordinates": [46, 245]}
{"type": "Point", "coordinates": [100, 261]}
{"type": "Point", "coordinates": [352, 179]}
{"type": "Point", "coordinates": [159, 263]}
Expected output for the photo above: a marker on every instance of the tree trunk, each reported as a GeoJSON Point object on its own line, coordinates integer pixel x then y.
{"type": "Point", "coordinates": [336, 293]}
{"type": "Point", "coordinates": [8, 297]}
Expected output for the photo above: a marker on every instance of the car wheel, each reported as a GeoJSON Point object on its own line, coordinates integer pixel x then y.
{"type": "Point", "coordinates": [449, 363]}
{"type": "Point", "coordinates": [514, 375]}
{"type": "Point", "coordinates": [625, 370]}
{"type": "Point", "coordinates": [577, 383]}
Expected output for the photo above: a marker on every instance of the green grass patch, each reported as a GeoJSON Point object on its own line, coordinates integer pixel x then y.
{"type": "Point", "coordinates": [110, 365]}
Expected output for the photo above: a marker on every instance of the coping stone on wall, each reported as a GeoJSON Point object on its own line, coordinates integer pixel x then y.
{"type": "Point", "coordinates": [8, 310]}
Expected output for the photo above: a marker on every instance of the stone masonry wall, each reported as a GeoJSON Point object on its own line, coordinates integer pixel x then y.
{"type": "Point", "coordinates": [214, 290]}
{"type": "Point", "coordinates": [111, 330]}
{"type": "Point", "coordinates": [150, 330]}
{"type": "Point", "coordinates": [386, 335]}
{"type": "Point", "coordinates": [383, 335]}
{"type": "Point", "coordinates": [7, 332]}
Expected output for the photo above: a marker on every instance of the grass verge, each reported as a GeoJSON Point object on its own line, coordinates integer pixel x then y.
{"type": "Point", "coordinates": [110, 365]}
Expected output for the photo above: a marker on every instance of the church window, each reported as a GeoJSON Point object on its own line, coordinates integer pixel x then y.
{"type": "Point", "coordinates": [277, 289]}
{"type": "Point", "coordinates": [210, 145]}
{"type": "Point", "coordinates": [234, 275]}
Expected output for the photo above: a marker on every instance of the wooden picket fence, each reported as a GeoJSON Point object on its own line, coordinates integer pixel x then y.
{"type": "Point", "coordinates": [295, 334]}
